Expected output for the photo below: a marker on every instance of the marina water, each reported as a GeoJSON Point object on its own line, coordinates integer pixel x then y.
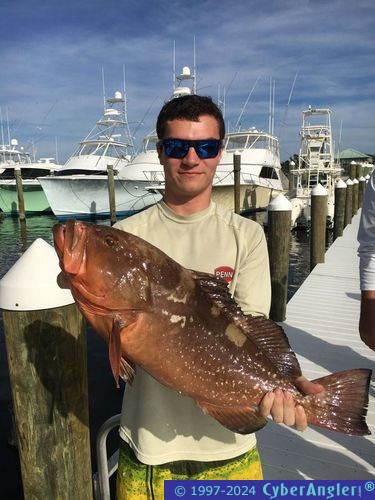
{"type": "Point", "coordinates": [104, 399]}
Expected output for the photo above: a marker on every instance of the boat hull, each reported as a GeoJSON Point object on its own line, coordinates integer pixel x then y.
{"type": "Point", "coordinates": [87, 196]}
{"type": "Point", "coordinates": [36, 202]}
{"type": "Point", "coordinates": [251, 197]}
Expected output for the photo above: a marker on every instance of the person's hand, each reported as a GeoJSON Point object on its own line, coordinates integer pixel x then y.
{"type": "Point", "coordinates": [282, 408]}
{"type": "Point", "coordinates": [367, 318]}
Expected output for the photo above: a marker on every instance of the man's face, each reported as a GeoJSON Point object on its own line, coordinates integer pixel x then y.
{"type": "Point", "coordinates": [191, 176]}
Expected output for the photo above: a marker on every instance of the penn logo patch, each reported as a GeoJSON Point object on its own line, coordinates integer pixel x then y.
{"type": "Point", "coordinates": [225, 273]}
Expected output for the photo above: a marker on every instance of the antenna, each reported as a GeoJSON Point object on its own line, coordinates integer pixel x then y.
{"type": "Point", "coordinates": [289, 99]}
{"type": "Point", "coordinates": [103, 88]}
{"type": "Point", "coordinates": [2, 127]}
{"type": "Point", "coordinates": [194, 69]}
{"type": "Point", "coordinates": [174, 65]}
{"type": "Point", "coordinates": [8, 124]}
{"type": "Point", "coordinates": [273, 107]}
{"type": "Point", "coordinates": [244, 106]}
{"type": "Point", "coordinates": [56, 155]}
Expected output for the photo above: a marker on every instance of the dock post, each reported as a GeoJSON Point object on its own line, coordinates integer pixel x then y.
{"type": "Point", "coordinates": [19, 187]}
{"type": "Point", "coordinates": [359, 171]}
{"type": "Point", "coordinates": [237, 181]}
{"type": "Point", "coordinates": [348, 202]}
{"type": "Point", "coordinates": [46, 349]}
{"type": "Point", "coordinates": [352, 170]}
{"type": "Point", "coordinates": [111, 194]}
{"type": "Point", "coordinates": [319, 198]}
{"type": "Point", "coordinates": [279, 227]}
{"type": "Point", "coordinates": [355, 197]}
{"type": "Point", "coordinates": [361, 190]}
{"type": "Point", "coordinates": [339, 214]}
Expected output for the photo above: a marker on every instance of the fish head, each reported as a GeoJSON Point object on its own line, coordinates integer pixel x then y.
{"type": "Point", "coordinates": [103, 267]}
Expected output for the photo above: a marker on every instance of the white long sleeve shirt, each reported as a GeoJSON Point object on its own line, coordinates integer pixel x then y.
{"type": "Point", "coordinates": [159, 424]}
{"type": "Point", "coordinates": [366, 238]}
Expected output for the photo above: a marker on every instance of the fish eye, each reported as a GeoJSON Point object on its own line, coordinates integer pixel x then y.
{"type": "Point", "coordinates": [109, 241]}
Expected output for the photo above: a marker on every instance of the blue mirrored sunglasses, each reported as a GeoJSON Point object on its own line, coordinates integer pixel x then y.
{"type": "Point", "coordinates": [178, 148]}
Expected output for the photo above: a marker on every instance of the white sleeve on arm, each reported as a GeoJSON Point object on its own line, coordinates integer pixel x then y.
{"type": "Point", "coordinates": [366, 238]}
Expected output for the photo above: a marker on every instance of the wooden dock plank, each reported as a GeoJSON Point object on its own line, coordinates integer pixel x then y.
{"type": "Point", "coordinates": [322, 327]}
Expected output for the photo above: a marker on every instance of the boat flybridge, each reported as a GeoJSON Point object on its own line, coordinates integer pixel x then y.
{"type": "Point", "coordinates": [109, 142]}
{"type": "Point", "coordinates": [316, 165]}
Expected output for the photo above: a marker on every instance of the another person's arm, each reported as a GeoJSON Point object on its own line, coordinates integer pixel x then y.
{"type": "Point", "coordinates": [366, 252]}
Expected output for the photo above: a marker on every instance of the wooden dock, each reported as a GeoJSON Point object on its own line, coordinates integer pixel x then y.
{"type": "Point", "coordinates": [322, 327]}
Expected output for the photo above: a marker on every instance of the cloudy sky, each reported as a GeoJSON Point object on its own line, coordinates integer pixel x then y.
{"type": "Point", "coordinates": [319, 53]}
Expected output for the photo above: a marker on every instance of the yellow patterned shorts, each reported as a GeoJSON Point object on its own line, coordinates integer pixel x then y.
{"type": "Point", "coordinates": [137, 481]}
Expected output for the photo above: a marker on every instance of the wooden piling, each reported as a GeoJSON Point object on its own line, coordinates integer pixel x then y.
{"type": "Point", "coordinates": [47, 365]}
{"type": "Point", "coordinates": [361, 190]}
{"type": "Point", "coordinates": [111, 194]}
{"type": "Point", "coordinates": [359, 171]}
{"type": "Point", "coordinates": [355, 197]}
{"type": "Point", "coordinates": [19, 187]}
{"type": "Point", "coordinates": [352, 170]}
{"type": "Point", "coordinates": [278, 229]}
{"type": "Point", "coordinates": [237, 181]}
{"type": "Point", "coordinates": [45, 340]}
{"type": "Point", "coordinates": [348, 202]}
{"type": "Point", "coordinates": [319, 200]}
{"type": "Point", "coordinates": [339, 214]}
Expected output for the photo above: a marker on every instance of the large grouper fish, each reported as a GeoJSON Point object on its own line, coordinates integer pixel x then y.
{"type": "Point", "coordinates": [186, 331]}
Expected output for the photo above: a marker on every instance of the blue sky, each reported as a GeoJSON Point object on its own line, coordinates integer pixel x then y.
{"type": "Point", "coordinates": [52, 54]}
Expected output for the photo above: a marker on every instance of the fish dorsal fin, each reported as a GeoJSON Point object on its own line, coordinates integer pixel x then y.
{"type": "Point", "coordinates": [263, 332]}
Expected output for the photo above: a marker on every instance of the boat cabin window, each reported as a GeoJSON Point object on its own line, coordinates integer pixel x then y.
{"type": "Point", "coordinates": [26, 173]}
{"type": "Point", "coordinates": [268, 173]}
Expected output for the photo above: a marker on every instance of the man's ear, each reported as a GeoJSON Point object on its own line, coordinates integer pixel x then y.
{"type": "Point", "coordinates": [159, 149]}
{"type": "Point", "coordinates": [221, 152]}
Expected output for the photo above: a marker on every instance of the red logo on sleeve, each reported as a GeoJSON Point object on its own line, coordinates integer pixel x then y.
{"type": "Point", "coordinates": [225, 273]}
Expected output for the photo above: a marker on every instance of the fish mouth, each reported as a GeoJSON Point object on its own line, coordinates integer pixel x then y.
{"type": "Point", "coordinates": [70, 242]}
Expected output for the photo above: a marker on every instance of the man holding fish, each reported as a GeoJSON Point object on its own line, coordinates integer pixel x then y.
{"type": "Point", "coordinates": [166, 435]}
{"type": "Point", "coordinates": [181, 294]}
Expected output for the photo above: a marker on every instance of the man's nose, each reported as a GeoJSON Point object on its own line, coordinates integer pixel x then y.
{"type": "Point", "coordinates": [191, 157]}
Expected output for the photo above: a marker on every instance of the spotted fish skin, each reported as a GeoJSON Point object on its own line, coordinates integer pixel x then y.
{"type": "Point", "coordinates": [186, 331]}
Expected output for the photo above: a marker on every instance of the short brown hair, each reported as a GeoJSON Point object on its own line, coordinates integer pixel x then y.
{"type": "Point", "coordinates": [189, 107]}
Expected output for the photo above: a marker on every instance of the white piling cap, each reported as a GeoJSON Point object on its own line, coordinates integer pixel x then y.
{"type": "Point", "coordinates": [319, 190]}
{"type": "Point", "coordinates": [31, 284]}
{"type": "Point", "coordinates": [362, 179]}
{"type": "Point", "coordinates": [349, 182]}
{"type": "Point", "coordinates": [340, 184]}
{"type": "Point", "coordinates": [355, 181]}
{"type": "Point", "coordinates": [279, 204]}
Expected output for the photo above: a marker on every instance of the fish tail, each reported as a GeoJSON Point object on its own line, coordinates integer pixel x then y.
{"type": "Point", "coordinates": [342, 406]}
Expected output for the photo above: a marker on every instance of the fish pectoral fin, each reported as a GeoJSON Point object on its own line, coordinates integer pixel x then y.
{"type": "Point", "coordinates": [120, 366]}
{"type": "Point", "coordinates": [127, 370]}
{"type": "Point", "coordinates": [240, 419]}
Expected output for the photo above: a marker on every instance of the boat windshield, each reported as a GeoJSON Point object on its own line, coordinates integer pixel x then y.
{"type": "Point", "coordinates": [251, 140]}
{"type": "Point", "coordinates": [102, 149]}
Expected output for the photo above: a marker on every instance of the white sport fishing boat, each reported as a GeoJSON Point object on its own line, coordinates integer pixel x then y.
{"type": "Point", "coordinates": [14, 158]}
{"type": "Point", "coordinates": [81, 188]}
{"type": "Point", "coordinates": [260, 175]}
{"type": "Point", "coordinates": [316, 165]}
